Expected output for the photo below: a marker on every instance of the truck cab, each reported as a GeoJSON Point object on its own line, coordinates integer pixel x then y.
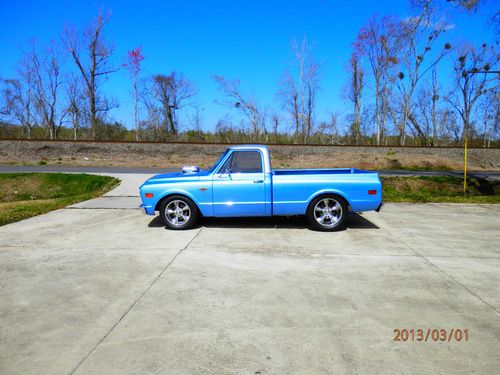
{"type": "Point", "coordinates": [242, 183]}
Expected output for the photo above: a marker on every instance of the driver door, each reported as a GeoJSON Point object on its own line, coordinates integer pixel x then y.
{"type": "Point", "coordinates": [238, 186]}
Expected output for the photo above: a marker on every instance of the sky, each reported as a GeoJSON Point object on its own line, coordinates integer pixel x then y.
{"type": "Point", "coordinates": [246, 39]}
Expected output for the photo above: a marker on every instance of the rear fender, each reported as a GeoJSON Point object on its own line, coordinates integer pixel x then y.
{"type": "Point", "coordinates": [327, 192]}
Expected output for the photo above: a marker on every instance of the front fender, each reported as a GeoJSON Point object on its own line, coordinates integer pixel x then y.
{"type": "Point", "coordinates": [205, 211]}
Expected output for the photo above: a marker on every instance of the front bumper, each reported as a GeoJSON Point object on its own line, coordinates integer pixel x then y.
{"type": "Point", "coordinates": [148, 210]}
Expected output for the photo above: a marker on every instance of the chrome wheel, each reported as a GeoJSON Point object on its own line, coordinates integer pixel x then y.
{"type": "Point", "coordinates": [177, 213]}
{"type": "Point", "coordinates": [328, 212]}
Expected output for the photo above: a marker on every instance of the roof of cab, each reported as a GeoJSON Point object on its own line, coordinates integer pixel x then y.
{"type": "Point", "coordinates": [243, 147]}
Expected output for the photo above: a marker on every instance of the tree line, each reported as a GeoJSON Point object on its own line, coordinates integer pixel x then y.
{"type": "Point", "coordinates": [395, 93]}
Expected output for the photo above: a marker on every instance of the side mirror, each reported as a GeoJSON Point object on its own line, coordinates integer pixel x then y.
{"type": "Point", "coordinates": [224, 173]}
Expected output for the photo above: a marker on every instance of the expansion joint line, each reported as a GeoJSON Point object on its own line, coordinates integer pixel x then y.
{"type": "Point", "coordinates": [134, 303]}
{"type": "Point", "coordinates": [442, 271]}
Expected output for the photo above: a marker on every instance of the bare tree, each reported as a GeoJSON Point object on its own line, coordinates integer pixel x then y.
{"type": "Point", "coordinates": [92, 55]}
{"type": "Point", "coordinates": [468, 5]}
{"type": "Point", "coordinates": [329, 131]}
{"type": "Point", "coordinates": [153, 126]}
{"type": "Point", "coordinates": [490, 115]}
{"type": "Point", "coordinates": [76, 104]}
{"type": "Point", "coordinates": [355, 95]}
{"type": "Point", "coordinates": [5, 104]}
{"type": "Point", "coordinates": [276, 124]}
{"type": "Point", "coordinates": [379, 40]}
{"type": "Point", "coordinates": [290, 101]}
{"type": "Point", "coordinates": [17, 103]}
{"type": "Point", "coordinates": [472, 80]}
{"type": "Point", "coordinates": [18, 95]}
{"type": "Point", "coordinates": [224, 129]}
{"type": "Point", "coordinates": [234, 98]}
{"type": "Point", "coordinates": [133, 65]}
{"type": "Point", "coordinates": [299, 89]}
{"type": "Point", "coordinates": [425, 117]}
{"type": "Point", "coordinates": [167, 94]}
{"type": "Point", "coordinates": [48, 83]}
{"type": "Point", "coordinates": [419, 35]}
{"type": "Point", "coordinates": [435, 98]}
{"type": "Point", "coordinates": [197, 119]}
{"type": "Point", "coordinates": [451, 127]}
{"type": "Point", "coordinates": [471, 6]}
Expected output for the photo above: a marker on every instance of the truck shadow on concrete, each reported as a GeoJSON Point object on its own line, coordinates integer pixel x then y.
{"type": "Point", "coordinates": [354, 222]}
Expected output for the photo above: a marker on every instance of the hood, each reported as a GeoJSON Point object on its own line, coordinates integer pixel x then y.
{"type": "Point", "coordinates": [175, 177]}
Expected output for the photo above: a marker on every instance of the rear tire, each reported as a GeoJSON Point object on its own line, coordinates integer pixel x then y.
{"type": "Point", "coordinates": [327, 213]}
{"type": "Point", "coordinates": [178, 212]}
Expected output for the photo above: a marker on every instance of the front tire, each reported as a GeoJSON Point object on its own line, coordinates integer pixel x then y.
{"type": "Point", "coordinates": [178, 212]}
{"type": "Point", "coordinates": [327, 213]}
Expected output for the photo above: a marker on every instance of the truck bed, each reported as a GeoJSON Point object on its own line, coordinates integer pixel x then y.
{"type": "Point", "coordinates": [293, 189]}
{"type": "Point", "coordinates": [284, 172]}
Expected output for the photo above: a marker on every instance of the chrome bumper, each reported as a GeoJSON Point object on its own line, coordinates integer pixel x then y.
{"type": "Point", "coordinates": [147, 210]}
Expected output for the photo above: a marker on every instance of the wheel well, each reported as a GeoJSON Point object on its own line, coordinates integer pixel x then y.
{"type": "Point", "coordinates": [178, 195]}
{"type": "Point", "coordinates": [330, 195]}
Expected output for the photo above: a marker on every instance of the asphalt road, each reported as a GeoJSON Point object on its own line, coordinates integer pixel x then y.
{"type": "Point", "coordinates": [123, 170]}
{"type": "Point", "coordinates": [100, 288]}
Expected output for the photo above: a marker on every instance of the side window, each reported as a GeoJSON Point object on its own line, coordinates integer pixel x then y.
{"type": "Point", "coordinates": [244, 162]}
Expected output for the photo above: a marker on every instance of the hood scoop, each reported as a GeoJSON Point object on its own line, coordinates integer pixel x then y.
{"type": "Point", "coordinates": [190, 169]}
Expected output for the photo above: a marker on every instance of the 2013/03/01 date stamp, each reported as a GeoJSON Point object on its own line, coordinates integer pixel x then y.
{"type": "Point", "coordinates": [431, 334]}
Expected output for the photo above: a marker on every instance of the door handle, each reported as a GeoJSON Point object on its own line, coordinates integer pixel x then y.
{"type": "Point", "coordinates": [258, 181]}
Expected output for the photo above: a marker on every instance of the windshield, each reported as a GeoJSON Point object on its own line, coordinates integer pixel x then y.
{"type": "Point", "coordinates": [218, 161]}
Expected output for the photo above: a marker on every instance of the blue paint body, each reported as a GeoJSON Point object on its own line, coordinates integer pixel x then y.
{"type": "Point", "coordinates": [267, 193]}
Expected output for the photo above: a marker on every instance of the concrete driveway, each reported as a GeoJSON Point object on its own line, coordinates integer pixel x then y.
{"type": "Point", "coordinates": [102, 289]}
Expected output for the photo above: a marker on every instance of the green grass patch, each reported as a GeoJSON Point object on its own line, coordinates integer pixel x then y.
{"type": "Point", "coordinates": [24, 195]}
{"type": "Point", "coordinates": [396, 164]}
{"type": "Point", "coordinates": [438, 189]}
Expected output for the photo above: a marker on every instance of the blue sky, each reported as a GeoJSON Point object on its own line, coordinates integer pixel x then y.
{"type": "Point", "coordinates": [249, 40]}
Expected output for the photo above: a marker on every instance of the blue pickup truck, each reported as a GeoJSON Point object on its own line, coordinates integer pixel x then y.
{"type": "Point", "coordinates": [242, 183]}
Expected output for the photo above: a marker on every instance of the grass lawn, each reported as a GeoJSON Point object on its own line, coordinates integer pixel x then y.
{"type": "Point", "coordinates": [438, 189]}
{"type": "Point", "coordinates": [24, 195]}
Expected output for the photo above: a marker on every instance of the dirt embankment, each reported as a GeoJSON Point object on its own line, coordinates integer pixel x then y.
{"type": "Point", "coordinates": [178, 154]}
